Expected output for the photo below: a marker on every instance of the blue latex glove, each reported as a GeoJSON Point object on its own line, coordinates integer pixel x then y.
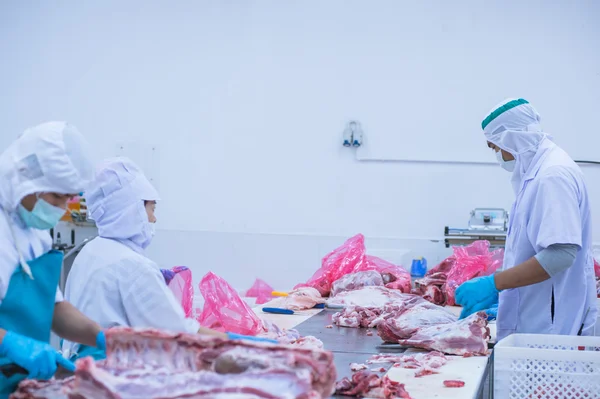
{"type": "Point", "coordinates": [101, 341]}
{"type": "Point", "coordinates": [492, 312]}
{"type": "Point", "coordinates": [39, 358]}
{"type": "Point", "coordinates": [250, 338]}
{"type": "Point", "coordinates": [477, 294]}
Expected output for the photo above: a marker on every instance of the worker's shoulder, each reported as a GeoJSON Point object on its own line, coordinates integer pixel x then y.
{"type": "Point", "coordinates": [117, 255]}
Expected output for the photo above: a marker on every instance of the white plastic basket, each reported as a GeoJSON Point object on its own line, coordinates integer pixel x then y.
{"type": "Point", "coordinates": [531, 366]}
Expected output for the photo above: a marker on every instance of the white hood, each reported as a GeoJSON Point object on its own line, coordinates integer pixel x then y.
{"type": "Point", "coordinates": [51, 157]}
{"type": "Point", "coordinates": [115, 201]}
{"type": "Point", "coordinates": [514, 126]}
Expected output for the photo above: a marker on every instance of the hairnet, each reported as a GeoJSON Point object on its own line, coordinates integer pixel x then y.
{"type": "Point", "coordinates": [514, 126]}
{"type": "Point", "coordinates": [51, 157]}
{"type": "Point", "coordinates": [116, 201]}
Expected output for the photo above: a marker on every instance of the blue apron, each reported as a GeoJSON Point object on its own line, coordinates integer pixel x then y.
{"type": "Point", "coordinates": [28, 307]}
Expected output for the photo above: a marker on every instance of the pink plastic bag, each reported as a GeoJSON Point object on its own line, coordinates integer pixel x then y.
{"type": "Point", "coordinates": [394, 277]}
{"type": "Point", "coordinates": [179, 280]}
{"type": "Point", "coordinates": [471, 261]}
{"type": "Point", "coordinates": [261, 291]}
{"type": "Point", "coordinates": [224, 310]}
{"type": "Point", "coordinates": [348, 258]}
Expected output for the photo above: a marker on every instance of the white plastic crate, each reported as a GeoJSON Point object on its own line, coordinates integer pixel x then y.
{"type": "Point", "coordinates": [530, 366]}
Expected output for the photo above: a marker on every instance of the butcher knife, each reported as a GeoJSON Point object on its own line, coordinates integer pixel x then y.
{"type": "Point", "coordinates": [289, 311]}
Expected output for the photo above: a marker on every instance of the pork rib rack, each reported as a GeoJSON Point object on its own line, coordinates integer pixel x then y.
{"type": "Point", "coordinates": [151, 364]}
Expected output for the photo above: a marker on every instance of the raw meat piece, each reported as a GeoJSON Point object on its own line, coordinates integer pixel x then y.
{"type": "Point", "coordinates": [152, 364]}
{"type": "Point", "coordinates": [394, 277]}
{"type": "Point", "coordinates": [598, 286]}
{"type": "Point", "coordinates": [357, 366]}
{"type": "Point", "coordinates": [299, 299]}
{"type": "Point", "coordinates": [308, 342]}
{"type": "Point", "coordinates": [431, 288]}
{"type": "Point", "coordinates": [93, 382]}
{"type": "Point", "coordinates": [384, 358]}
{"type": "Point", "coordinates": [36, 389]}
{"type": "Point", "coordinates": [466, 336]}
{"type": "Point", "coordinates": [354, 281]}
{"type": "Point", "coordinates": [128, 348]}
{"type": "Point", "coordinates": [368, 384]}
{"type": "Point", "coordinates": [290, 337]}
{"type": "Point", "coordinates": [261, 291]}
{"type": "Point", "coordinates": [360, 385]}
{"type": "Point", "coordinates": [454, 383]}
{"type": "Point", "coordinates": [329, 326]}
{"type": "Point", "coordinates": [410, 319]}
{"type": "Point", "coordinates": [425, 363]}
{"type": "Point", "coordinates": [357, 316]}
{"type": "Point", "coordinates": [367, 297]}
{"type": "Point", "coordinates": [369, 333]}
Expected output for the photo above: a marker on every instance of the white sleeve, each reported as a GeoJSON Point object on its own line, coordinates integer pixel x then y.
{"type": "Point", "coordinates": [148, 302]}
{"type": "Point", "coordinates": [59, 296]}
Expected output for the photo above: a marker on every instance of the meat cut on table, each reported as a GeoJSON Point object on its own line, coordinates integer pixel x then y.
{"type": "Point", "coordinates": [464, 337]}
{"type": "Point", "coordinates": [355, 281]}
{"type": "Point", "coordinates": [424, 363]}
{"type": "Point", "coordinates": [145, 363]}
{"type": "Point", "coordinates": [372, 297]}
{"type": "Point", "coordinates": [413, 321]}
{"type": "Point", "coordinates": [432, 288]}
{"type": "Point", "coordinates": [367, 384]}
{"type": "Point", "coordinates": [299, 299]}
{"type": "Point", "coordinates": [404, 322]}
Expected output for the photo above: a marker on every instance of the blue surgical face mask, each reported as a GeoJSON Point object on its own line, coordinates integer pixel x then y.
{"type": "Point", "coordinates": [43, 216]}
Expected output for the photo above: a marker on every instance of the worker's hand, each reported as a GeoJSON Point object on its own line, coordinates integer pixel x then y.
{"type": "Point", "coordinates": [101, 341]}
{"type": "Point", "coordinates": [39, 358]}
{"type": "Point", "coordinates": [250, 338]}
{"type": "Point", "coordinates": [477, 294]}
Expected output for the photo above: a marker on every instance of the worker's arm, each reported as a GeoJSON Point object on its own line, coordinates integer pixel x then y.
{"type": "Point", "coordinates": [547, 263]}
{"type": "Point", "coordinates": [527, 273]}
{"type": "Point", "coordinates": [70, 324]}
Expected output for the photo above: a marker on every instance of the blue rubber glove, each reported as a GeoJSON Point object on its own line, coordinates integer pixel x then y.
{"type": "Point", "coordinates": [39, 358]}
{"type": "Point", "coordinates": [492, 312]}
{"type": "Point", "coordinates": [250, 338]}
{"type": "Point", "coordinates": [477, 294]}
{"type": "Point", "coordinates": [101, 341]}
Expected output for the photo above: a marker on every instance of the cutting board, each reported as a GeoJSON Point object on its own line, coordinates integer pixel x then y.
{"type": "Point", "coordinates": [471, 370]}
{"type": "Point", "coordinates": [286, 321]}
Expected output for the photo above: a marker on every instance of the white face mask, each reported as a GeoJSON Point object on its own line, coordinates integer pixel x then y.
{"type": "Point", "coordinates": [152, 229]}
{"type": "Point", "coordinates": [506, 165]}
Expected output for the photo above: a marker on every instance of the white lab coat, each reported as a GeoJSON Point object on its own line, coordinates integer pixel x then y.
{"type": "Point", "coordinates": [51, 157]}
{"type": "Point", "coordinates": [551, 207]}
{"type": "Point", "coordinates": [111, 281]}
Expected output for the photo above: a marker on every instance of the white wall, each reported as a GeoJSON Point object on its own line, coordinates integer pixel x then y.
{"type": "Point", "coordinates": [244, 103]}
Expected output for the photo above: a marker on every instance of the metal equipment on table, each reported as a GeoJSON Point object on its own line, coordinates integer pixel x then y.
{"type": "Point", "coordinates": [489, 224]}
